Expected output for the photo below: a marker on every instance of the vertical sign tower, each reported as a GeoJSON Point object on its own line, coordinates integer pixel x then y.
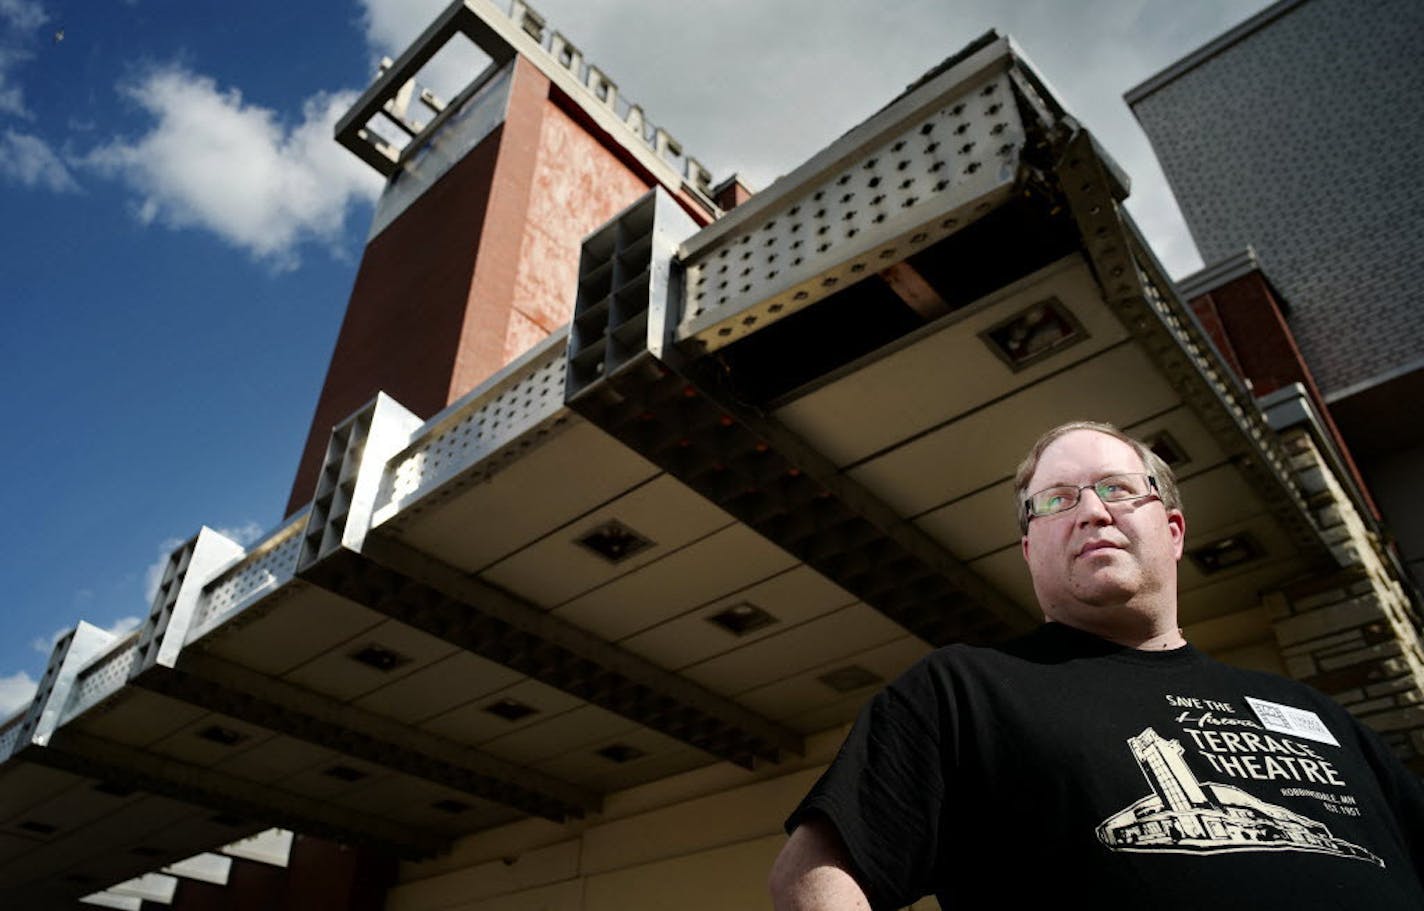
{"type": "Point", "coordinates": [473, 252]}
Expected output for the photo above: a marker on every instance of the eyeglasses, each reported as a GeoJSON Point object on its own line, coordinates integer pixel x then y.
{"type": "Point", "coordinates": [1116, 488]}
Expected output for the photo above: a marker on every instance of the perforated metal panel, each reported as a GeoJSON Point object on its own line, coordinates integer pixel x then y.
{"type": "Point", "coordinates": [269, 564]}
{"type": "Point", "coordinates": [10, 736]}
{"type": "Point", "coordinates": [885, 200]}
{"type": "Point", "coordinates": [474, 439]}
{"type": "Point", "coordinates": [99, 681]}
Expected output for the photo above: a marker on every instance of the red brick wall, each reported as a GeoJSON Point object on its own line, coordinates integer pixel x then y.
{"type": "Point", "coordinates": [479, 268]}
{"type": "Point", "coordinates": [1245, 321]}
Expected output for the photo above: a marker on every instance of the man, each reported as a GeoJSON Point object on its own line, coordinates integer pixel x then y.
{"type": "Point", "coordinates": [1102, 755]}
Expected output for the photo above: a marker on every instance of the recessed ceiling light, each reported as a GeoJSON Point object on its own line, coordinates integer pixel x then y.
{"type": "Point", "coordinates": [740, 619]}
{"type": "Point", "coordinates": [1034, 333]}
{"type": "Point", "coordinates": [1226, 553]}
{"type": "Point", "coordinates": [850, 678]}
{"type": "Point", "coordinates": [620, 752]}
{"type": "Point", "coordinates": [614, 541]}
{"type": "Point", "coordinates": [380, 657]}
{"type": "Point", "coordinates": [344, 773]}
{"type": "Point", "coordinates": [1166, 448]}
{"type": "Point", "coordinates": [511, 709]}
{"type": "Point", "coordinates": [220, 735]}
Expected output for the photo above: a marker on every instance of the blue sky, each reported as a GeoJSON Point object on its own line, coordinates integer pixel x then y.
{"type": "Point", "coordinates": [180, 232]}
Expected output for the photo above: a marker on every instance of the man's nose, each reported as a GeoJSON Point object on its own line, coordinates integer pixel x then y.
{"type": "Point", "coordinates": [1091, 508]}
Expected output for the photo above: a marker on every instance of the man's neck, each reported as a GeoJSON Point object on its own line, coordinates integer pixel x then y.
{"type": "Point", "coordinates": [1152, 640]}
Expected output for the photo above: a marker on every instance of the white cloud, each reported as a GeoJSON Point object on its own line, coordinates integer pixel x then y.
{"type": "Point", "coordinates": [28, 160]}
{"type": "Point", "coordinates": [391, 25]}
{"type": "Point", "coordinates": [243, 534]}
{"type": "Point", "coordinates": [123, 626]}
{"type": "Point", "coordinates": [22, 15]}
{"type": "Point", "coordinates": [16, 691]}
{"type": "Point", "coordinates": [215, 162]}
{"type": "Point", "coordinates": [18, 20]}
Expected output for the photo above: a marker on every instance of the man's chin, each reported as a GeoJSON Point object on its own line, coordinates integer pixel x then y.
{"type": "Point", "coordinates": [1106, 593]}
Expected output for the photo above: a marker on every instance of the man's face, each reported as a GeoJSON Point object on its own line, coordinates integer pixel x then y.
{"type": "Point", "coordinates": [1110, 569]}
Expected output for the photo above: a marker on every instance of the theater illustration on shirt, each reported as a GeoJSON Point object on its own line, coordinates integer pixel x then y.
{"type": "Point", "coordinates": [1185, 815]}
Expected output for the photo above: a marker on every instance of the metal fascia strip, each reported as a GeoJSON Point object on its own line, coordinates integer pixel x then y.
{"type": "Point", "coordinates": [825, 162]}
{"type": "Point", "coordinates": [1137, 289]}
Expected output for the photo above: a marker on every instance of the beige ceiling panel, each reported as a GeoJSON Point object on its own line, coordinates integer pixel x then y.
{"type": "Point", "coordinates": [804, 696]}
{"type": "Point", "coordinates": [438, 688]}
{"type": "Point", "coordinates": [975, 525]}
{"type": "Point", "coordinates": [26, 784]}
{"type": "Point", "coordinates": [206, 742]}
{"type": "Point", "coordinates": [472, 724]}
{"type": "Point", "coordinates": [276, 760]}
{"type": "Point", "coordinates": [1217, 498]}
{"type": "Point", "coordinates": [427, 805]}
{"type": "Point", "coordinates": [1261, 528]}
{"type": "Point", "coordinates": [1194, 442]}
{"type": "Point", "coordinates": [1237, 591]}
{"type": "Point", "coordinates": [731, 559]}
{"type": "Point", "coordinates": [296, 630]}
{"type": "Point", "coordinates": [138, 717]}
{"type": "Point", "coordinates": [647, 769]}
{"type": "Point", "coordinates": [791, 598]}
{"type": "Point", "coordinates": [664, 511]}
{"type": "Point", "coordinates": [338, 674]}
{"type": "Point", "coordinates": [848, 631]}
{"type": "Point", "coordinates": [1231, 631]}
{"type": "Point", "coordinates": [333, 780]}
{"type": "Point", "coordinates": [1006, 570]}
{"type": "Point", "coordinates": [13, 846]}
{"type": "Point", "coordinates": [79, 806]}
{"type": "Point", "coordinates": [540, 491]}
{"type": "Point", "coordinates": [984, 447]}
{"type": "Point", "coordinates": [946, 373]}
{"type": "Point", "coordinates": [559, 734]}
{"type": "Point", "coordinates": [661, 756]}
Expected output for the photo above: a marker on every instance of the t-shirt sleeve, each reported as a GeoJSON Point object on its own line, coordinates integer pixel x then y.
{"type": "Point", "coordinates": [1404, 792]}
{"type": "Point", "coordinates": [885, 791]}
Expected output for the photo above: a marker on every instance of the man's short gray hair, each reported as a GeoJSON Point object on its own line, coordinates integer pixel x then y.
{"type": "Point", "coordinates": [1166, 480]}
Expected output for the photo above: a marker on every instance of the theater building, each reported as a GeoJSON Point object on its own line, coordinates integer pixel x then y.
{"type": "Point", "coordinates": [628, 487]}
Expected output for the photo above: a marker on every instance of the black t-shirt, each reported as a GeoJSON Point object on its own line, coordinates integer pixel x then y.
{"type": "Point", "coordinates": [1060, 766]}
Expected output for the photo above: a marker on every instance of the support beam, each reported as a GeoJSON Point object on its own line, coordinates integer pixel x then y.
{"type": "Point", "coordinates": [221, 686]}
{"type": "Point", "coordinates": [420, 591]}
{"type": "Point", "coordinates": [243, 800]}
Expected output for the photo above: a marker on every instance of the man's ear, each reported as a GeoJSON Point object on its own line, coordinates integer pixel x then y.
{"type": "Point", "coordinates": [1177, 527]}
{"type": "Point", "coordinates": [1023, 545]}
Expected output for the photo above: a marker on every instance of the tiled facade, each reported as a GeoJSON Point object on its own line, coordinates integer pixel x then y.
{"type": "Point", "coordinates": [1299, 138]}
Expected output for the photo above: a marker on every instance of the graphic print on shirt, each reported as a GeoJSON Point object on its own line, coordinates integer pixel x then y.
{"type": "Point", "coordinates": [1183, 814]}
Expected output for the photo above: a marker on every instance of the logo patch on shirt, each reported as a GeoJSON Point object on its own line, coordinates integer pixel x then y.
{"type": "Point", "coordinates": [1284, 719]}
